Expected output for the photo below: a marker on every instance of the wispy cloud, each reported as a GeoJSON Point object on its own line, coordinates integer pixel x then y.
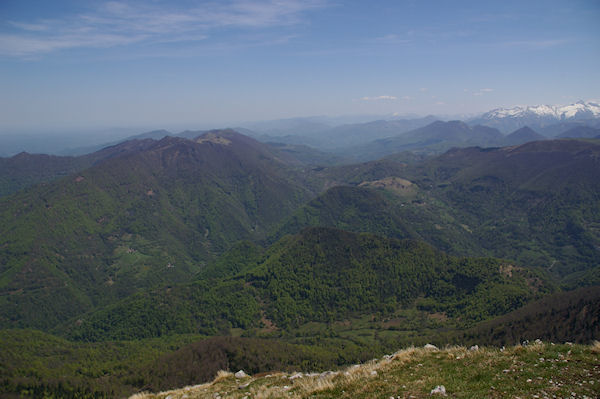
{"type": "Point", "coordinates": [536, 44]}
{"type": "Point", "coordinates": [380, 98]}
{"type": "Point", "coordinates": [116, 23]}
{"type": "Point", "coordinates": [28, 27]}
{"type": "Point", "coordinates": [392, 39]}
{"type": "Point", "coordinates": [481, 92]}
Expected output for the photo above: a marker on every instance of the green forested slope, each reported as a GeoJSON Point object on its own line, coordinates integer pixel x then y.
{"type": "Point", "coordinates": [538, 203]}
{"type": "Point", "coordinates": [146, 218]}
{"type": "Point", "coordinates": [322, 275]}
{"type": "Point", "coordinates": [561, 317]}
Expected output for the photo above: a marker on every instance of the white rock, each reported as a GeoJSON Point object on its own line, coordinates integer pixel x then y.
{"type": "Point", "coordinates": [328, 373]}
{"type": "Point", "coordinates": [474, 348]}
{"type": "Point", "coordinates": [373, 373]}
{"type": "Point", "coordinates": [439, 390]}
{"type": "Point", "coordinates": [297, 375]}
{"type": "Point", "coordinates": [241, 374]}
{"type": "Point", "coordinates": [432, 347]}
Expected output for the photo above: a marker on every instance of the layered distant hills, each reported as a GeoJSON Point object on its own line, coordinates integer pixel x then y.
{"type": "Point", "coordinates": [152, 212]}
{"type": "Point", "coordinates": [164, 239]}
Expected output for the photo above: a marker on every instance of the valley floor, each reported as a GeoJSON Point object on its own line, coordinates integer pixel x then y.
{"type": "Point", "coordinates": [537, 370]}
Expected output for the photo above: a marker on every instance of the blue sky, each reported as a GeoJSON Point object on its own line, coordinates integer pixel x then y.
{"type": "Point", "coordinates": [195, 64]}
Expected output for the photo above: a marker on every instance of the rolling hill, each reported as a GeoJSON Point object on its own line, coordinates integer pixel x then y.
{"type": "Point", "coordinates": [25, 170]}
{"type": "Point", "coordinates": [153, 214]}
{"type": "Point", "coordinates": [434, 138]}
{"type": "Point", "coordinates": [536, 203]}
{"type": "Point", "coordinates": [320, 275]}
{"type": "Point", "coordinates": [522, 136]}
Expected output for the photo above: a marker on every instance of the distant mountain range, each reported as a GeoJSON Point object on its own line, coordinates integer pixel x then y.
{"type": "Point", "coordinates": [540, 116]}
{"type": "Point", "coordinates": [337, 135]}
{"type": "Point", "coordinates": [499, 127]}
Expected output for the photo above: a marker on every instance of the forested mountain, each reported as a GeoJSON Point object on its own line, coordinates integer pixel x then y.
{"type": "Point", "coordinates": [562, 317]}
{"type": "Point", "coordinates": [434, 138]}
{"type": "Point", "coordinates": [321, 275]}
{"type": "Point", "coordinates": [522, 136]}
{"type": "Point", "coordinates": [538, 203]}
{"type": "Point", "coordinates": [223, 235]}
{"type": "Point", "coordinates": [582, 132]}
{"type": "Point", "coordinates": [24, 170]}
{"type": "Point", "coordinates": [151, 215]}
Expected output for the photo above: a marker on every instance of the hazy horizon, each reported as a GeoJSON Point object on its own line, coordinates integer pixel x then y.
{"type": "Point", "coordinates": [93, 65]}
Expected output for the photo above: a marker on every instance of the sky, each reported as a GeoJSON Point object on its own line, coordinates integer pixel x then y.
{"type": "Point", "coordinates": [198, 64]}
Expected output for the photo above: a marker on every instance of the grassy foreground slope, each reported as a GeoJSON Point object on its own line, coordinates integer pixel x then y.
{"type": "Point", "coordinates": [540, 370]}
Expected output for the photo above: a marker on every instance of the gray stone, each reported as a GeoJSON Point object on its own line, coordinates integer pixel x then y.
{"type": "Point", "coordinates": [439, 390]}
{"type": "Point", "coordinates": [297, 375]}
{"type": "Point", "coordinates": [241, 374]}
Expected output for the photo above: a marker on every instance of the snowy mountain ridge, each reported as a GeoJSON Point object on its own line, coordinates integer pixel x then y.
{"type": "Point", "coordinates": [578, 110]}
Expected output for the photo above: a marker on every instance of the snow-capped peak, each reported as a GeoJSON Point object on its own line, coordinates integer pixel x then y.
{"type": "Point", "coordinates": [581, 109]}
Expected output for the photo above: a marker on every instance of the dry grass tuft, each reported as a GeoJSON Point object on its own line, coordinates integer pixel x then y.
{"type": "Point", "coordinates": [405, 355]}
{"type": "Point", "coordinates": [221, 375]}
{"type": "Point", "coordinates": [401, 370]}
{"type": "Point", "coordinates": [310, 385]}
{"type": "Point", "coordinates": [264, 392]}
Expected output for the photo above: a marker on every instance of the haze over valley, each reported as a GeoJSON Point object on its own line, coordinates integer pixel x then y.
{"type": "Point", "coordinates": [299, 198]}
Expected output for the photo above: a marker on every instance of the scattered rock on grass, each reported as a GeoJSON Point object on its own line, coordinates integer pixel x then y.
{"type": "Point", "coordinates": [241, 374]}
{"type": "Point", "coordinates": [439, 390]}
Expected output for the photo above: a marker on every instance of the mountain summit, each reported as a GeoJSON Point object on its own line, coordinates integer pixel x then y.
{"type": "Point", "coordinates": [536, 116]}
{"type": "Point", "coordinates": [579, 110]}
